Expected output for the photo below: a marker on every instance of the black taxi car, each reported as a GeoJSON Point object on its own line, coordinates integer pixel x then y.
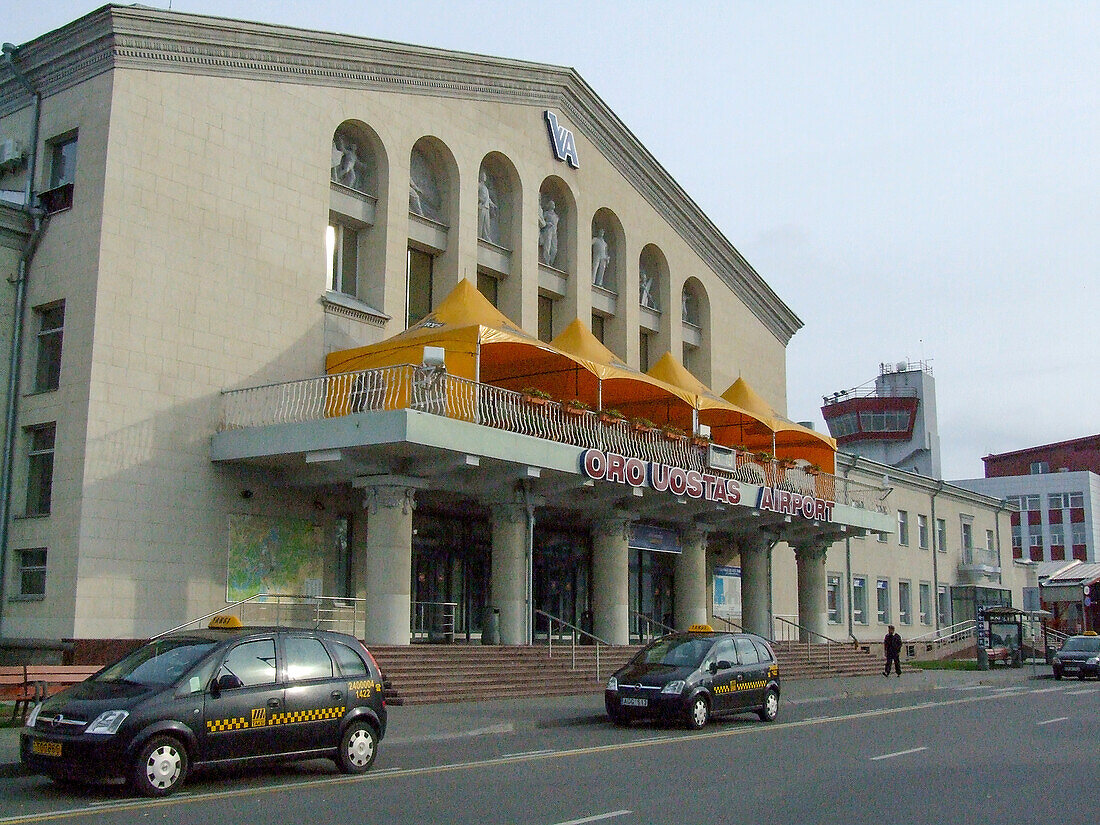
{"type": "Point", "coordinates": [1079, 656]}
{"type": "Point", "coordinates": [695, 675]}
{"type": "Point", "coordinates": [220, 695]}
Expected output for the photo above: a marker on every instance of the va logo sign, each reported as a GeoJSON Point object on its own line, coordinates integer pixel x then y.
{"type": "Point", "coordinates": [561, 141]}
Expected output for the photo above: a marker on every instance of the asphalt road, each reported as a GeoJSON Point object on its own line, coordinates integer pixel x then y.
{"type": "Point", "coordinates": [973, 754]}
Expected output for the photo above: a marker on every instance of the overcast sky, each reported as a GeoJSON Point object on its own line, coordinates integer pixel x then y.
{"type": "Point", "coordinates": [917, 181]}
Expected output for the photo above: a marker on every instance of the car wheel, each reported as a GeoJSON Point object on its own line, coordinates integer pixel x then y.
{"type": "Point", "coordinates": [358, 747]}
{"type": "Point", "coordinates": [1057, 674]}
{"type": "Point", "coordinates": [1080, 676]}
{"type": "Point", "coordinates": [770, 709]}
{"type": "Point", "coordinates": [160, 768]}
{"type": "Point", "coordinates": [699, 712]}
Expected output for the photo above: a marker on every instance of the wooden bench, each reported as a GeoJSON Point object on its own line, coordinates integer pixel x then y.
{"type": "Point", "coordinates": [50, 679]}
{"type": "Point", "coordinates": [14, 687]}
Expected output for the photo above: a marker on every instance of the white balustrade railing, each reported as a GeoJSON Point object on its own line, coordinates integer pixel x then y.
{"type": "Point", "coordinates": [433, 391]}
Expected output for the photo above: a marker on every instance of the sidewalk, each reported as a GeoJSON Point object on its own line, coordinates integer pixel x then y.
{"type": "Point", "coordinates": [439, 722]}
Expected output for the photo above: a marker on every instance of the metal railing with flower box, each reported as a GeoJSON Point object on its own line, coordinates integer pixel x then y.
{"type": "Point", "coordinates": [433, 391]}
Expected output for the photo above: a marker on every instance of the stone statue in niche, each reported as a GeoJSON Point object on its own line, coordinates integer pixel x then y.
{"type": "Point", "coordinates": [347, 162]}
{"type": "Point", "coordinates": [424, 196]}
{"type": "Point", "coordinates": [548, 233]}
{"type": "Point", "coordinates": [487, 210]}
{"type": "Point", "coordinates": [601, 257]}
{"type": "Point", "coordinates": [688, 312]}
{"type": "Point", "coordinates": [646, 286]}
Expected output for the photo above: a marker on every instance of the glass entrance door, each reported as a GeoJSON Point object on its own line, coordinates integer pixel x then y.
{"type": "Point", "coordinates": [562, 569]}
{"type": "Point", "coordinates": [651, 582]}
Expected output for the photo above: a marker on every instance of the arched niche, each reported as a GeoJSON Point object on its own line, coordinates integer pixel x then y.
{"type": "Point", "coordinates": [557, 225]}
{"type": "Point", "coordinates": [355, 238]}
{"type": "Point", "coordinates": [498, 200]}
{"type": "Point", "coordinates": [653, 300]}
{"type": "Point", "coordinates": [433, 181]}
{"type": "Point", "coordinates": [696, 329]}
{"type": "Point", "coordinates": [608, 250]}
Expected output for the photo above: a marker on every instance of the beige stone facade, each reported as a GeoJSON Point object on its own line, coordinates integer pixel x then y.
{"type": "Point", "coordinates": [193, 261]}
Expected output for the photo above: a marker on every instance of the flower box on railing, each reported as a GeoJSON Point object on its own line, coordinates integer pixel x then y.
{"type": "Point", "coordinates": [612, 417]}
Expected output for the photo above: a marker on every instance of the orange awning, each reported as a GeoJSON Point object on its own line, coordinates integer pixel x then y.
{"type": "Point", "coordinates": [791, 440]}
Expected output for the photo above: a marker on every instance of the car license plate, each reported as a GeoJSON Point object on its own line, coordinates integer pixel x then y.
{"type": "Point", "coordinates": [46, 748]}
{"type": "Point", "coordinates": [1069, 668]}
{"type": "Point", "coordinates": [634, 703]}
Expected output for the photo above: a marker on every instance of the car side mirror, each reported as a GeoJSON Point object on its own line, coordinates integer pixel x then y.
{"type": "Point", "coordinates": [713, 668]}
{"type": "Point", "coordinates": [724, 665]}
{"type": "Point", "coordinates": [227, 681]}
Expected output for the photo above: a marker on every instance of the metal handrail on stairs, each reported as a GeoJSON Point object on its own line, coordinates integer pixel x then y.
{"type": "Point", "coordinates": [650, 623]}
{"type": "Point", "coordinates": [788, 625]}
{"type": "Point", "coordinates": [597, 641]}
{"type": "Point", "coordinates": [292, 610]}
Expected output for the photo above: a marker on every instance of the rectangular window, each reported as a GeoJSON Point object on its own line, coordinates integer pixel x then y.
{"type": "Point", "coordinates": [903, 528]}
{"type": "Point", "coordinates": [882, 537]}
{"type": "Point", "coordinates": [1017, 535]}
{"type": "Point", "coordinates": [943, 604]}
{"type": "Point", "coordinates": [834, 601]}
{"type": "Point", "coordinates": [32, 573]}
{"type": "Point", "coordinates": [1054, 501]}
{"type": "Point", "coordinates": [925, 603]}
{"type": "Point", "coordinates": [1039, 467]}
{"type": "Point", "coordinates": [47, 371]}
{"type": "Point", "coordinates": [967, 533]}
{"type": "Point", "coordinates": [941, 535]}
{"type": "Point", "coordinates": [1078, 533]}
{"type": "Point", "coordinates": [1035, 535]}
{"type": "Point", "coordinates": [488, 286]}
{"type": "Point", "coordinates": [62, 161]}
{"type": "Point", "coordinates": [1057, 535]}
{"type": "Point", "coordinates": [643, 352]}
{"type": "Point", "coordinates": [598, 327]}
{"type": "Point", "coordinates": [882, 599]}
{"type": "Point", "coordinates": [859, 599]}
{"type": "Point", "coordinates": [546, 319]}
{"type": "Point", "coordinates": [905, 602]}
{"type": "Point", "coordinates": [40, 469]}
{"type": "Point", "coordinates": [1076, 500]}
{"type": "Point", "coordinates": [343, 254]}
{"type": "Point", "coordinates": [922, 531]}
{"type": "Point", "coordinates": [990, 542]}
{"type": "Point", "coordinates": [418, 287]}
{"type": "Point", "coordinates": [1029, 502]}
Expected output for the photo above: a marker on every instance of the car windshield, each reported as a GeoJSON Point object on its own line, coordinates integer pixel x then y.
{"type": "Point", "coordinates": [161, 662]}
{"type": "Point", "coordinates": [676, 652]}
{"type": "Point", "coordinates": [1083, 644]}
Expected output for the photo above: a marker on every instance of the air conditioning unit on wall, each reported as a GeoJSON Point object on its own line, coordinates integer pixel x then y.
{"type": "Point", "coordinates": [11, 154]}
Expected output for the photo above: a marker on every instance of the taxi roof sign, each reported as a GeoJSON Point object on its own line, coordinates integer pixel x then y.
{"type": "Point", "coordinates": [700, 628]}
{"type": "Point", "coordinates": [225, 622]}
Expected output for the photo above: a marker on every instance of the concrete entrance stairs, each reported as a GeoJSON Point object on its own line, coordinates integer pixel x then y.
{"type": "Point", "coordinates": [421, 674]}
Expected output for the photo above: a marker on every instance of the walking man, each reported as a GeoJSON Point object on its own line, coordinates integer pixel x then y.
{"type": "Point", "coordinates": [892, 645]}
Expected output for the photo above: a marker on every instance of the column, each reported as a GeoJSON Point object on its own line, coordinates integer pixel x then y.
{"type": "Point", "coordinates": [508, 585]}
{"type": "Point", "coordinates": [386, 581]}
{"type": "Point", "coordinates": [611, 580]}
{"type": "Point", "coordinates": [756, 597]}
{"type": "Point", "coordinates": [812, 611]}
{"type": "Point", "coordinates": [690, 582]}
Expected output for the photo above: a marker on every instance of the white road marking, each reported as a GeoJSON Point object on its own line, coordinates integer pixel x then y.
{"type": "Point", "coordinates": [596, 818]}
{"type": "Point", "coordinates": [1037, 691]}
{"type": "Point", "coordinates": [1052, 721]}
{"type": "Point", "coordinates": [1079, 692]}
{"type": "Point", "coordinates": [898, 753]}
{"type": "Point", "coordinates": [542, 752]}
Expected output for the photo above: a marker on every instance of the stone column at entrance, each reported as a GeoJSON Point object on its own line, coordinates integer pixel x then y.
{"type": "Point", "coordinates": [508, 587]}
{"type": "Point", "coordinates": [611, 580]}
{"type": "Point", "coordinates": [690, 581]}
{"type": "Point", "coordinates": [812, 612]}
{"type": "Point", "coordinates": [388, 565]}
{"type": "Point", "coordinates": [756, 558]}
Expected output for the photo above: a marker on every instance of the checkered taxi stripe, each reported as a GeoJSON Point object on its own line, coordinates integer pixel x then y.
{"type": "Point", "coordinates": [260, 719]}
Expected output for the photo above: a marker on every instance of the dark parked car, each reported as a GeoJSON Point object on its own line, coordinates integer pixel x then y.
{"type": "Point", "coordinates": [1079, 656]}
{"type": "Point", "coordinates": [222, 695]}
{"type": "Point", "coordinates": [695, 675]}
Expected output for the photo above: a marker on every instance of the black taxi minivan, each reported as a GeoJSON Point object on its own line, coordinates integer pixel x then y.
{"type": "Point", "coordinates": [221, 695]}
{"type": "Point", "coordinates": [695, 675]}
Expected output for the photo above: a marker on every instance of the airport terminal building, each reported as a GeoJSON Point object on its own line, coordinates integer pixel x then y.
{"type": "Point", "coordinates": [427, 335]}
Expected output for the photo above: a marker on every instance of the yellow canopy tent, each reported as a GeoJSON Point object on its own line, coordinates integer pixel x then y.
{"type": "Point", "coordinates": [623, 388]}
{"type": "Point", "coordinates": [791, 440]}
{"type": "Point", "coordinates": [481, 344]}
{"type": "Point", "coordinates": [729, 424]}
